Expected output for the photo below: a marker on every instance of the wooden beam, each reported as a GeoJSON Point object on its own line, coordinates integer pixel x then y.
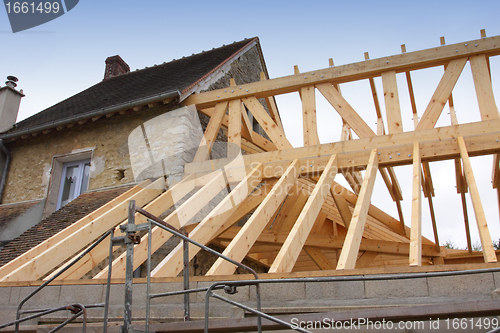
{"type": "Point", "coordinates": [275, 133]}
{"type": "Point", "coordinates": [286, 224]}
{"type": "Point", "coordinates": [433, 220]}
{"type": "Point", "coordinates": [350, 249]}
{"type": "Point", "coordinates": [180, 217]}
{"type": "Point", "coordinates": [290, 251]}
{"type": "Point", "coordinates": [271, 105]}
{"type": "Point", "coordinates": [366, 259]}
{"type": "Point", "coordinates": [416, 210]}
{"type": "Point", "coordinates": [70, 245]}
{"type": "Point", "coordinates": [337, 242]}
{"type": "Point", "coordinates": [234, 129]}
{"type": "Point", "coordinates": [246, 127]}
{"type": "Point", "coordinates": [219, 219]}
{"type": "Point", "coordinates": [253, 137]}
{"type": "Point", "coordinates": [484, 89]}
{"type": "Point", "coordinates": [155, 207]}
{"type": "Point", "coordinates": [466, 220]}
{"type": "Point", "coordinates": [357, 71]}
{"type": "Point", "coordinates": [210, 133]}
{"type": "Point", "coordinates": [343, 208]}
{"type": "Point", "coordinates": [391, 98]}
{"type": "Point", "coordinates": [435, 144]}
{"type": "Point", "coordinates": [484, 233]}
{"type": "Point", "coordinates": [319, 258]}
{"type": "Point", "coordinates": [61, 235]}
{"type": "Point", "coordinates": [245, 239]}
{"type": "Point", "coordinates": [309, 122]}
{"type": "Point", "coordinates": [345, 110]}
{"type": "Point", "coordinates": [442, 93]}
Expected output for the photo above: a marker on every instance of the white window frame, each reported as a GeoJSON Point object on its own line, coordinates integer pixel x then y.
{"type": "Point", "coordinates": [79, 182]}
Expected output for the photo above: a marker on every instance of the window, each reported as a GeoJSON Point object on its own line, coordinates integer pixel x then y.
{"type": "Point", "coordinates": [74, 181]}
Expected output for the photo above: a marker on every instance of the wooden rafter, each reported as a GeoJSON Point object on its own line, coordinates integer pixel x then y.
{"type": "Point", "coordinates": [350, 250]}
{"type": "Point", "coordinates": [215, 223]}
{"type": "Point", "coordinates": [484, 233]}
{"type": "Point", "coordinates": [69, 246]}
{"type": "Point", "coordinates": [34, 252]}
{"type": "Point", "coordinates": [244, 240]}
{"type": "Point", "coordinates": [289, 253]}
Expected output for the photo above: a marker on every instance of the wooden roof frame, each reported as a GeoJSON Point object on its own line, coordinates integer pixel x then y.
{"type": "Point", "coordinates": [302, 219]}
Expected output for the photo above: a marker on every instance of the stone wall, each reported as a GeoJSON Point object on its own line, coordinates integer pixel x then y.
{"type": "Point", "coordinates": [277, 298]}
{"type": "Point", "coordinates": [107, 138]}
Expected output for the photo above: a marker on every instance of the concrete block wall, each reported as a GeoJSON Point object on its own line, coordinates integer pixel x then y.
{"type": "Point", "coordinates": [276, 298]}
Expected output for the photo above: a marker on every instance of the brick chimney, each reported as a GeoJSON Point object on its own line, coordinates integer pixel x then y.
{"type": "Point", "coordinates": [115, 66]}
{"type": "Point", "coordinates": [10, 99]}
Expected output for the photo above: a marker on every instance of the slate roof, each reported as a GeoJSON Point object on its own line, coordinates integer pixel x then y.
{"type": "Point", "coordinates": [10, 212]}
{"type": "Point", "coordinates": [177, 75]}
{"type": "Point", "coordinates": [57, 221]}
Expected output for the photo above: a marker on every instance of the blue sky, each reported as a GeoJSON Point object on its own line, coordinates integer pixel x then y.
{"type": "Point", "coordinates": [65, 56]}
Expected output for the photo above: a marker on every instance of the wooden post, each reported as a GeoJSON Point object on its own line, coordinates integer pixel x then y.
{"type": "Point", "coordinates": [416, 210]}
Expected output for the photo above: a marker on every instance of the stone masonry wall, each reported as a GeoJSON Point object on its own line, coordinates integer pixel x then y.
{"type": "Point", "coordinates": [31, 163]}
{"type": "Point", "coordinates": [277, 298]}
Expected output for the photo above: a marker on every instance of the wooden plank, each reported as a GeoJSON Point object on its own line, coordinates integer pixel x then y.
{"type": "Point", "coordinates": [290, 251]}
{"type": "Point", "coordinates": [484, 89]}
{"type": "Point", "coordinates": [416, 210]}
{"type": "Point", "coordinates": [442, 93]}
{"type": "Point", "coordinates": [345, 110]}
{"type": "Point", "coordinates": [178, 218]}
{"type": "Point", "coordinates": [309, 122]}
{"type": "Point", "coordinates": [244, 240]}
{"type": "Point", "coordinates": [70, 245]}
{"type": "Point", "coordinates": [234, 129]}
{"type": "Point", "coordinates": [357, 71]}
{"type": "Point", "coordinates": [484, 233]}
{"type": "Point", "coordinates": [210, 133]}
{"type": "Point", "coordinates": [350, 249]}
{"type": "Point", "coordinates": [319, 258]}
{"type": "Point", "coordinates": [366, 259]}
{"type": "Point", "coordinates": [40, 248]}
{"type": "Point", "coordinates": [221, 217]}
{"type": "Point", "coordinates": [101, 251]}
{"type": "Point", "coordinates": [391, 98]}
{"type": "Point", "coordinates": [275, 133]}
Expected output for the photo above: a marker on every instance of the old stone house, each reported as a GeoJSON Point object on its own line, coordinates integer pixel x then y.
{"type": "Point", "coordinates": [71, 158]}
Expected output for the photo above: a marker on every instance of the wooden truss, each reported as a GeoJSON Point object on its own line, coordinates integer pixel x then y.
{"type": "Point", "coordinates": [297, 217]}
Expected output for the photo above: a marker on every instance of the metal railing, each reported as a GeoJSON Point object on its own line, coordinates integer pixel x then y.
{"type": "Point", "coordinates": [230, 287]}
{"type": "Point", "coordinates": [76, 309]}
{"type": "Point", "coordinates": [130, 229]}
